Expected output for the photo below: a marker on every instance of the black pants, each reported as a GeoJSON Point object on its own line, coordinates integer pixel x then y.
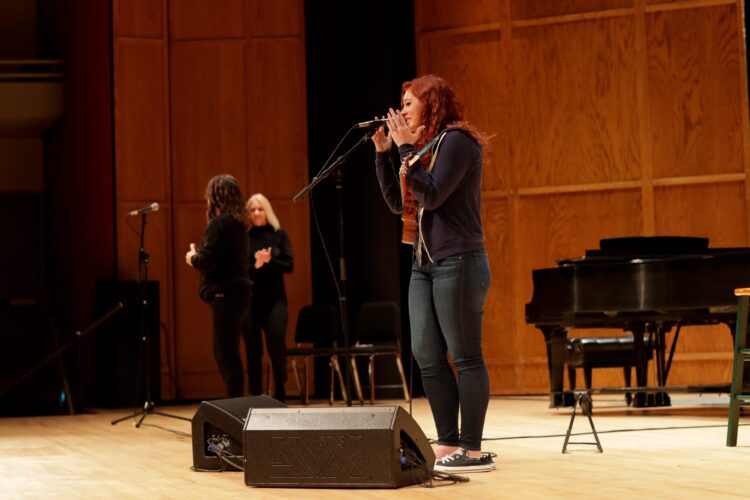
{"type": "Point", "coordinates": [228, 309]}
{"type": "Point", "coordinates": [271, 318]}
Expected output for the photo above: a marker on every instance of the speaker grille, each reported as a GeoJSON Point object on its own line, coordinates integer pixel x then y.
{"type": "Point", "coordinates": [327, 447]}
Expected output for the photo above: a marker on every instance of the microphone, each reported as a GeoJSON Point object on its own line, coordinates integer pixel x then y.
{"type": "Point", "coordinates": [372, 123]}
{"type": "Point", "coordinates": [154, 207]}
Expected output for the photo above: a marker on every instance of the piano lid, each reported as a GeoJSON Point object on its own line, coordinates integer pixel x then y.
{"type": "Point", "coordinates": [655, 275]}
{"type": "Point", "coordinates": [643, 247]}
{"type": "Point", "coordinates": [655, 245]}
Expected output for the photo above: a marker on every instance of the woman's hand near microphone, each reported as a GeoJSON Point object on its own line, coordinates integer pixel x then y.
{"type": "Point", "coordinates": [398, 132]}
{"type": "Point", "coordinates": [399, 129]}
{"type": "Point", "coordinates": [381, 140]}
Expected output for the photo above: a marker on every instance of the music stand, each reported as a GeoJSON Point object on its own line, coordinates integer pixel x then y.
{"type": "Point", "coordinates": [144, 357]}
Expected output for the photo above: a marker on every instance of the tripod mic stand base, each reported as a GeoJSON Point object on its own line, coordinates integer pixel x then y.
{"type": "Point", "coordinates": [148, 408]}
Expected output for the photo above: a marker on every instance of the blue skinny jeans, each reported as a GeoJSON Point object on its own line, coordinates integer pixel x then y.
{"type": "Point", "coordinates": [446, 305]}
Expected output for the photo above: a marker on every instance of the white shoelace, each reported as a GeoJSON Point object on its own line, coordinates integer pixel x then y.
{"type": "Point", "coordinates": [451, 458]}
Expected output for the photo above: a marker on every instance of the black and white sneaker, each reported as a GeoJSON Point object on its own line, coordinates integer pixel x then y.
{"type": "Point", "coordinates": [487, 457]}
{"type": "Point", "coordinates": [462, 462]}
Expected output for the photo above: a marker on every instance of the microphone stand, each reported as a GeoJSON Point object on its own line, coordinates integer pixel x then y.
{"type": "Point", "coordinates": [145, 356]}
{"type": "Point", "coordinates": [325, 172]}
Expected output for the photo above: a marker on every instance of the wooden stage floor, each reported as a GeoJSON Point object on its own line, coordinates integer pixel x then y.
{"type": "Point", "coordinates": [675, 452]}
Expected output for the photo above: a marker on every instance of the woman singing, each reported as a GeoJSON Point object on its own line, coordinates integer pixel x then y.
{"type": "Point", "coordinates": [450, 274]}
{"type": "Point", "coordinates": [270, 258]}
{"type": "Point", "coordinates": [223, 262]}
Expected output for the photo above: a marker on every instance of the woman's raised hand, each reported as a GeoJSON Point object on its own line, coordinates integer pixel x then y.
{"type": "Point", "coordinates": [381, 140]}
{"type": "Point", "coordinates": [189, 255]}
{"type": "Point", "coordinates": [399, 129]}
{"type": "Point", "coordinates": [262, 257]}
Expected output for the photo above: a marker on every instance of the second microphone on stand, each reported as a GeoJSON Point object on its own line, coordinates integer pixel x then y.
{"type": "Point", "coordinates": [154, 207]}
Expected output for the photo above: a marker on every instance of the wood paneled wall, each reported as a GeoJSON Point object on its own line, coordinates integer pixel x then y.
{"type": "Point", "coordinates": [610, 118]}
{"type": "Point", "coordinates": [203, 88]}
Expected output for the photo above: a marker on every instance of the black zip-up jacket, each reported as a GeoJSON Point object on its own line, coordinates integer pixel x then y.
{"type": "Point", "coordinates": [450, 194]}
{"type": "Point", "coordinates": [223, 257]}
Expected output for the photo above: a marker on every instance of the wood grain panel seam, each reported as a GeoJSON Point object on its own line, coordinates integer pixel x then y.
{"type": "Point", "coordinates": [463, 30]}
{"type": "Point", "coordinates": [143, 38]}
{"type": "Point", "coordinates": [208, 370]}
{"type": "Point", "coordinates": [745, 108]}
{"type": "Point", "coordinates": [645, 132]}
{"type": "Point", "coordinates": [277, 37]}
{"type": "Point", "coordinates": [197, 201]}
{"type": "Point", "coordinates": [495, 194]}
{"type": "Point", "coordinates": [687, 4]}
{"type": "Point", "coordinates": [580, 188]}
{"type": "Point", "coordinates": [571, 18]}
{"type": "Point", "coordinates": [209, 39]}
{"type": "Point", "coordinates": [699, 179]}
{"type": "Point", "coordinates": [703, 356]}
{"type": "Point", "coordinates": [171, 331]}
{"type": "Point", "coordinates": [163, 202]}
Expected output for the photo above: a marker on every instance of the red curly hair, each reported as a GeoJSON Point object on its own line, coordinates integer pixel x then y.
{"type": "Point", "coordinates": [442, 108]}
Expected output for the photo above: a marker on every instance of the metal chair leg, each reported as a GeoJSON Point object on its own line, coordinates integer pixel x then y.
{"type": "Point", "coordinates": [400, 366]}
{"type": "Point", "coordinates": [335, 366]}
{"type": "Point", "coordinates": [296, 378]}
{"type": "Point", "coordinates": [330, 376]}
{"type": "Point", "coordinates": [270, 382]}
{"type": "Point", "coordinates": [357, 384]}
{"type": "Point", "coordinates": [307, 383]}
{"type": "Point", "coordinates": [371, 373]}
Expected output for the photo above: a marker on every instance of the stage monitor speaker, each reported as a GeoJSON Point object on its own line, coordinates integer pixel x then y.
{"type": "Point", "coordinates": [377, 447]}
{"type": "Point", "coordinates": [220, 423]}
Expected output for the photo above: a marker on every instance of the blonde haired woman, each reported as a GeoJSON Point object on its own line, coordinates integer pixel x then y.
{"type": "Point", "coordinates": [270, 258]}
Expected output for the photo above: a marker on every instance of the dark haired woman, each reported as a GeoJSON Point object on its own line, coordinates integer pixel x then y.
{"type": "Point", "coordinates": [450, 274]}
{"type": "Point", "coordinates": [223, 262]}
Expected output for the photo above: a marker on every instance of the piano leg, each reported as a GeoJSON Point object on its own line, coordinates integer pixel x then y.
{"type": "Point", "coordinates": [641, 367]}
{"type": "Point", "coordinates": [556, 339]}
{"type": "Point", "coordinates": [660, 347]}
{"type": "Point", "coordinates": [656, 341]}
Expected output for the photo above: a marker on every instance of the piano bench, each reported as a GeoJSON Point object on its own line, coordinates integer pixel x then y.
{"type": "Point", "coordinates": [600, 352]}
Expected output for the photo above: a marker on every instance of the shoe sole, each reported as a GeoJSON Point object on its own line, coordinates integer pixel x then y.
{"type": "Point", "coordinates": [451, 470]}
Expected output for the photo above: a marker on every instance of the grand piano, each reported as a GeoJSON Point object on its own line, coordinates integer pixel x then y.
{"type": "Point", "coordinates": [643, 285]}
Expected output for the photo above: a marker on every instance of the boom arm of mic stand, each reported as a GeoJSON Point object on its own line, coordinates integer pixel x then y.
{"type": "Point", "coordinates": [327, 170]}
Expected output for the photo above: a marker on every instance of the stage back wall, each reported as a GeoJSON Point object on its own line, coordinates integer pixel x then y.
{"type": "Point", "coordinates": [609, 118]}
{"type": "Point", "coordinates": [203, 88]}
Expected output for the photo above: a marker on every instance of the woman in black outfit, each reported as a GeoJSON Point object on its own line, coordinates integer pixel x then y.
{"type": "Point", "coordinates": [223, 262]}
{"type": "Point", "coordinates": [270, 258]}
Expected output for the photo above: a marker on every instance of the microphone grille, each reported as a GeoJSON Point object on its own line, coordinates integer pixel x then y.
{"type": "Point", "coordinates": [155, 207]}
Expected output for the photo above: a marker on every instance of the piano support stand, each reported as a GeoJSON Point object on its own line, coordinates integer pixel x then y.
{"type": "Point", "coordinates": [582, 399]}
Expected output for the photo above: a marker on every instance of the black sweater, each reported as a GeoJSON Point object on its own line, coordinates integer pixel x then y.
{"type": "Point", "coordinates": [268, 281]}
{"type": "Point", "coordinates": [223, 257]}
{"type": "Point", "coordinates": [450, 194]}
